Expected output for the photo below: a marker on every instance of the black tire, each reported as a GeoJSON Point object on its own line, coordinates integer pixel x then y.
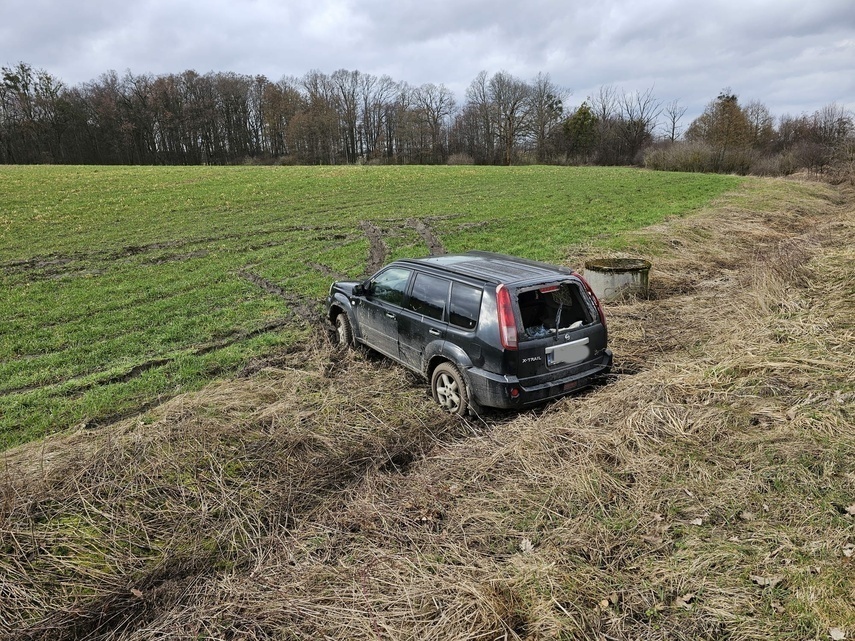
{"type": "Point", "coordinates": [449, 389]}
{"type": "Point", "coordinates": [343, 331]}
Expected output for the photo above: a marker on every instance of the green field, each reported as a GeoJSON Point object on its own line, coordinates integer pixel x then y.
{"type": "Point", "coordinates": [122, 286]}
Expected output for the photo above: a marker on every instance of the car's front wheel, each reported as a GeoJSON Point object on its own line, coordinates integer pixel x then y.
{"type": "Point", "coordinates": [343, 330]}
{"type": "Point", "coordinates": [449, 389]}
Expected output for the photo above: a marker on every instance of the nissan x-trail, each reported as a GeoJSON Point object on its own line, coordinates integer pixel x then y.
{"type": "Point", "coordinates": [484, 329]}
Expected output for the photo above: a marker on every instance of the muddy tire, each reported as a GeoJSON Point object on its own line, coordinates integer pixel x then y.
{"type": "Point", "coordinates": [343, 331]}
{"type": "Point", "coordinates": [449, 389]}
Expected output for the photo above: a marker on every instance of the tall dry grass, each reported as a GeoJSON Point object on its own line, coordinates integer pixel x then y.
{"type": "Point", "coordinates": [704, 492]}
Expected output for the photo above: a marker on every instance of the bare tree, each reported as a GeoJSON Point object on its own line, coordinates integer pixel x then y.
{"type": "Point", "coordinates": [479, 99]}
{"type": "Point", "coordinates": [832, 124]}
{"type": "Point", "coordinates": [674, 113]}
{"type": "Point", "coordinates": [317, 127]}
{"type": "Point", "coordinates": [138, 116]}
{"type": "Point", "coordinates": [282, 103]}
{"type": "Point", "coordinates": [33, 115]}
{"type": "Point", "coordinates": [465, 134]}
{"type": "Point", "coordinates": [547, 109]}
{"type": "Point", "coordinates": [435, 105]}
{"type": "Point", "coordinates": [513, 111]}
{"type": "Point", "coordinates": [102, 98]}
{"type": "Point", "coordinates": [639, 114]}
{"type": "Point", "coordinates": [401, 129]}
{"type": "Point", "coordinates": [346, 84]}
{"type": "Point", "coordinates": [377, 94]}
{"type": "Point", "coordinates": [604, 106]}
{"type": "Point", "coordinates": [829, 132]}
{"type": "Point", "coordinates": [760, 125]}
{"type": "Point", "coordinates": [234, 114]}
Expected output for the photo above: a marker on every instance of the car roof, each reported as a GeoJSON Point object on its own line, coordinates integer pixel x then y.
{"type": "Point", "coordinates": [489, 266]}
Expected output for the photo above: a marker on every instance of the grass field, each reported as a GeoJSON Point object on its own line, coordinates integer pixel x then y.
{"type": "Point", "coordinates": [122, 286]}
{"type": "Point", "coordinates": [706, 490]}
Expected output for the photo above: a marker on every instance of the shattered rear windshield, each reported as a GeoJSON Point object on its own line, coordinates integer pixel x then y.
{"type": "Point", "coordinates": [547, 308]}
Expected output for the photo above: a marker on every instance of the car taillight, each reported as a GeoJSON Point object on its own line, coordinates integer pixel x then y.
{"type": "Point", "coordinates": [507, 322]}
{"type": "Point", "coordinates": [596, 300]}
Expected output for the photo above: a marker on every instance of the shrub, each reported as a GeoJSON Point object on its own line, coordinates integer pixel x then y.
{"type": "Point", "coordinates": [461, 159]}
{"type": "Point", "coordinates": [778, 165]}
{"type": "Point", "coordinates": [689, 156]}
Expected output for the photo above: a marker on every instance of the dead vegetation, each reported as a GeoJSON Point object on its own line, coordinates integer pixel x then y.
{"type": "Point", "coordinates": [707, 491]}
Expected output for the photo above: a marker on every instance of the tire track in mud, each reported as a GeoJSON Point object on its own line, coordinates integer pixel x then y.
{"type": "Point", "coordinates": [299, 306]}
{"type": "Point", "coordinates": [140, 368]}
{"type": "Point", "coordinates": [378, 251]}
{"type": "Point", "coordinates": [58, 264]}
{"type": "Point", "coordinates": [434, 244]}
{"type": "Point", "coordinates": [326, 270]}
{"type": "Point", "coordinates": [307, 311]}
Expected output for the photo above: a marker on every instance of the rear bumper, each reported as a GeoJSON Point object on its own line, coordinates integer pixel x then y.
{"type": "Point", "coordinates": [494, 390]}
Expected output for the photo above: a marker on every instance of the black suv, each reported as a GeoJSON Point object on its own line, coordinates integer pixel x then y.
{"type": "Point", "coordinates": [485, 329]}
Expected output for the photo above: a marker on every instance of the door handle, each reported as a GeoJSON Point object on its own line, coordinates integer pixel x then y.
{"type": "Point", "coordinates": [390, 315]}
{"type": "Point", "coordinates": [435, 332]}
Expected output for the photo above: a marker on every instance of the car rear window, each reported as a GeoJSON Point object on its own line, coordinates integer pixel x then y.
{"type": "Point", "coordinates": [429, 296]}
{"type": "Point", "coordinates": [545, 308]}
{"type": "Point", "coordinates": [465, 305]}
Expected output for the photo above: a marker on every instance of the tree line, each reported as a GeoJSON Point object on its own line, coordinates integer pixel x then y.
{"type": "Point", "coordinates": [350, 117]}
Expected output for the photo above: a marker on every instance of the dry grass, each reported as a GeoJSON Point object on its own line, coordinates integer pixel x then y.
{"type": "Point", "coordinates": [702, 493]}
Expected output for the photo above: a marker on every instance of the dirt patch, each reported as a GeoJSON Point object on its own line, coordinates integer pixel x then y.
{"type": "Point", "coordinates": [377, 250]}
{"type": "Point", "coordinates": [42, 263]}
{"type": "Point", "coordinates": [435, 246]}
{"type": "Point", "coordinates": [172, 258]}
{"type": "Point", "coordinates": [327, 271]}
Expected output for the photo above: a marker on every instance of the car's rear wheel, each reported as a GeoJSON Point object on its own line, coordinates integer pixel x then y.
{"type": "Point", "coordinates": [449, 389]}
{"type": "Point", "coordinates": [343, 330]}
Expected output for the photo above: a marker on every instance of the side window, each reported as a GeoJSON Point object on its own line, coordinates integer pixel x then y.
{"type": "Point", "coordinates": [465, 305]}
{"type": "Point", "coordinates": [429, 296]}
{"type": "Point", "coordinates": [391, 285]}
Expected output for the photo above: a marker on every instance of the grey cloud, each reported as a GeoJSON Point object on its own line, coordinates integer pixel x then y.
{"type": "Point", "coordinates": [792, 55]}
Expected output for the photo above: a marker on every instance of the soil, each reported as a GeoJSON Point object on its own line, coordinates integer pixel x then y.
{"type": "Point", "coordinates": [377, 250]}
{"type": "Point", "coordinates": [434, 244]}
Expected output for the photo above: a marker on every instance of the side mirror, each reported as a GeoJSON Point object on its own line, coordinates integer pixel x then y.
{"type": "Point", "coordinates": [362, 289]}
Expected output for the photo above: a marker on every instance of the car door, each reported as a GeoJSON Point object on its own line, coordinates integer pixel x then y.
{"type": "Point", "coordinates": [377, 312]}
{"type": "Point", "coordinates": [423, 319]}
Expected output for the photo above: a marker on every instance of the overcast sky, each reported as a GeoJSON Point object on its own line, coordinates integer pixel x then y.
{"type": "Point", "coordinates": [793, 56]}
